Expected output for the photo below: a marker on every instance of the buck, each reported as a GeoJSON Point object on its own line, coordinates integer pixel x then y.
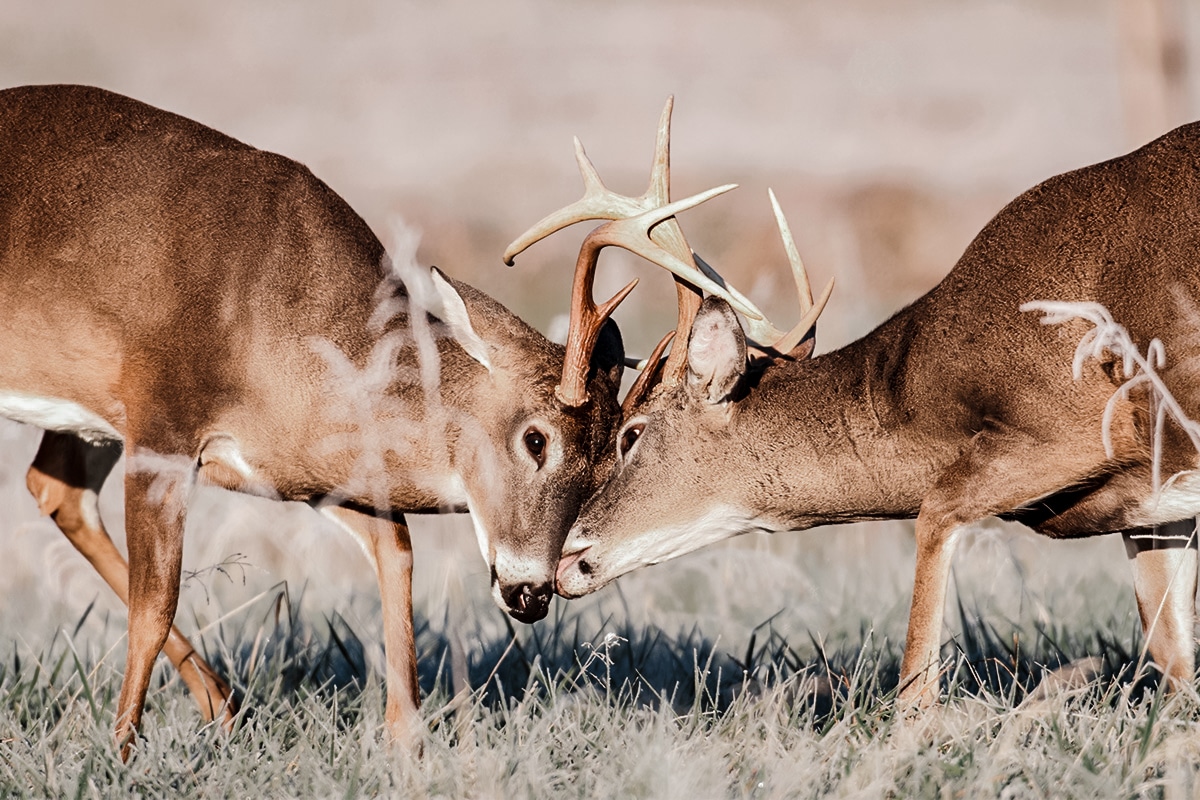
{"type": "Point", "coordinates": [961, 406]}
{"type": "Point", "coordinates": [220, 316]}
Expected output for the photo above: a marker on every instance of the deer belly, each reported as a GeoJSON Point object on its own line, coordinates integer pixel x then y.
{"type": "Point", "coordinates": [56, 414]}
{"type": "Point", "coordinates": [1178, 499]}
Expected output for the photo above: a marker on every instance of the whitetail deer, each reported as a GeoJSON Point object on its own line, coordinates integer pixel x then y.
{"type": "Point", "coordinates": [221, 315]}
{"type": "Point", "coordinates": [959, 407]}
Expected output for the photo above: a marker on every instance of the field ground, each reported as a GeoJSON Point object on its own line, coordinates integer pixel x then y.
{"type": "Point", "coordinates": [595, 702]}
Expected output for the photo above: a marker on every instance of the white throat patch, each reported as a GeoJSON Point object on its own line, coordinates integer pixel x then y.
{"type": "Point", "coordinates": [662, 544]}
{"type": "Point", "coordinates": [481, 532]}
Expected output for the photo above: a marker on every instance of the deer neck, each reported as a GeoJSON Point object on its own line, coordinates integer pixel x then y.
{"type": "Point", "coordinates": [371, 415]}
{"type": "Point", "coordinates": [844, 434]}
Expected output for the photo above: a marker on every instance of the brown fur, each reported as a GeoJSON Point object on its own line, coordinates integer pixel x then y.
{"type": "Point", "coordinates": [959, 407]}
{"type": "Point", "coordinates": [217, 306]}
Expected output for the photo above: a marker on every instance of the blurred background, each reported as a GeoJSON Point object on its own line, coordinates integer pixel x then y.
{"type": "Point", "coordinates": [891, 131]}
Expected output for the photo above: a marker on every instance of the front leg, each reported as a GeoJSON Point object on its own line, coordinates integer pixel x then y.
{"type": "Point", "coordinates": [156, 496]}
{"type": "Point", "coordinates": [388, 544]}
{"type": "Point", "coordinates": [992, 476]}
{"type": "Point", "coordinates": [920, 668]}
{"type": "Point", "coordinates": [65, 478]}
{"type": "Point", "coordinates": [1164, 580]}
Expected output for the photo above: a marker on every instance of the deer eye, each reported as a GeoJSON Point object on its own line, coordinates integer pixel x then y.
{"type": "Point", "coordinates": [629, 437]}
{"type": "Point", "coordinates": [535, 443]}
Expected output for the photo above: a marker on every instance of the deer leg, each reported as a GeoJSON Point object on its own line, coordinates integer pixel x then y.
{"type": "Point", "coordinates": [919, 669]}
{"type": "Point", "coordinates": [65, 479]}
{"type": "Point", "coordinates": [156, 497]}
{"type": "Point", "coordinates": [990, 478]}
{"type": "Point", "coordinates": [388, 544]}
{"type": "Point", "coordinates": [1164, 580]}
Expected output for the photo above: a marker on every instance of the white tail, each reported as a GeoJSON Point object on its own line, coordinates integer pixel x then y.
{"type": "Point", "coordinates": [960, 407]}
{"type": "Point", "coordinates": [221, 315]}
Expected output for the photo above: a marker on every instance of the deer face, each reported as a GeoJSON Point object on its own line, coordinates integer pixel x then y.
{"type": "Point", "coordinates": [526, 460]}
{"type": "Point", "coordinates": [660, 499]}
{"type": "Point", "coordinates": [526, 488]}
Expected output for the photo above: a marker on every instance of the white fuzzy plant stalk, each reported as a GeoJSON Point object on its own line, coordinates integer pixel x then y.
{"type": "Point", "coordinates": [1142, 371]}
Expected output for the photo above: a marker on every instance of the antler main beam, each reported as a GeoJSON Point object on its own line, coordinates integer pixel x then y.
{"type": "Point", "coordinates": [646, 226]}
{"type": "Point", "coordinates": [632, 234]}
{"type": "Point", "coordinates": [601, 203]}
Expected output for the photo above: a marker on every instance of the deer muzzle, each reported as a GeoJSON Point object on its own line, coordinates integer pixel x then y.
{"type": "Point", "coordinates": [571, 579]}
{"type": "Point", "coordinates": [527, 602]}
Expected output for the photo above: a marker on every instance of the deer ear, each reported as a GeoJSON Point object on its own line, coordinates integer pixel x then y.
{"type": "Point", "coordinates": [454, 314]}
{"type": "Point", "coordinates": [608, 357]}
{"type": "Point", "coordinates": [716, 352]}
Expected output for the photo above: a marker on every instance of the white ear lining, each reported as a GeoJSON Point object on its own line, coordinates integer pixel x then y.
{"type": "Point", "coordinates": [716, 354]}
{"type": "Point", "coordinates": [454, 314]}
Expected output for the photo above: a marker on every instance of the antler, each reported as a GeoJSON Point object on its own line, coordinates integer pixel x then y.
{"type": "Point", "coordinates": [644, 382]}
{"type": "Point", "coordinates": [646, 226]}
{"type": "Point", "coordinates": [665, 241]}
{"type": "Point", "coordinates": [632, 234]}
{"type": "Point", "coordinates": [809, 311]}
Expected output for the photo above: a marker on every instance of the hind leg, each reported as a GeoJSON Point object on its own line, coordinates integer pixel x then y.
{"type": "Point", "coordinates": [1164, 580]}
{"type": "Point", "coordinates": [65, 479]}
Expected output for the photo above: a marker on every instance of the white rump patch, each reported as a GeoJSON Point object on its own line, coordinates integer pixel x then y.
{"type": "Point", "coordinates": [55, 414]}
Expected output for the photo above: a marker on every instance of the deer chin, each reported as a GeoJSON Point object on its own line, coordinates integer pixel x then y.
{"type": "Point", "coordinates": [590, 562]}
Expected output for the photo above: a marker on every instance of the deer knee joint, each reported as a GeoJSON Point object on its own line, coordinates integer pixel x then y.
{"type": "Point", "coordinates": [50, 493]}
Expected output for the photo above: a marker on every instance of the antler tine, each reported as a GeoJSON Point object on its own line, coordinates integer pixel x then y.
{"type": "Point", "coordinates": [670, 237]}
{"type": "Point", "coordinates": [796, 335]}
{"type": "Point", "coordinates": [635, 235]}
{"type": "Point", "coordinates": [659, 189]}
{"type": "Point", "coordinates": [803, 287]}
{"type": "Point", "coordinates": [598, 202]}
{"type": "Point", "coordinates": [764, 336]}
{"type": "Point", "coordinates": [809, 311]}
{"type": "Point", "coordinates": [645, 379]}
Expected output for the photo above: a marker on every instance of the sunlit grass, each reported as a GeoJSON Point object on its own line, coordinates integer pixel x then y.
{"type": "Point", "coordinates": [589, 704]}
{"type": "Point", "coordinates": [766, 667]}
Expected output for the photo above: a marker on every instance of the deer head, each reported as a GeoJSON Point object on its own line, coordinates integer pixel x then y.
{"type": "Point", "coordinates": [638, 516]}
{"type": "Point", "coordinates": [525, 472]}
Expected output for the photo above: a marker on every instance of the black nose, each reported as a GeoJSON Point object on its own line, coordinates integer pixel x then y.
{"type": "Point", "coordinates": [527, 602]}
